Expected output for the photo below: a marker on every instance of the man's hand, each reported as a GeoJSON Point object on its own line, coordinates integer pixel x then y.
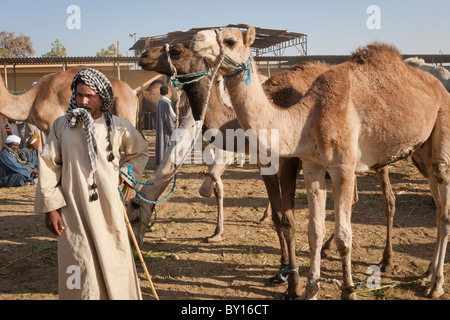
{"type": "Point", "coordinates": [54, 223]}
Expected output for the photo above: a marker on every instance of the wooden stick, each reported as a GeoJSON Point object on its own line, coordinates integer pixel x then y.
{"type": "Point", "coordinates": [130, 229]}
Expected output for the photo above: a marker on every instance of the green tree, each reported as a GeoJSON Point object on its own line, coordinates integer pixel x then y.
{"type": "Point", "coordinates": [12, 46]}
{"type": "Point", "coordinates": [57, 50]}
{"type": "Point", "coordinates": [110, 52]}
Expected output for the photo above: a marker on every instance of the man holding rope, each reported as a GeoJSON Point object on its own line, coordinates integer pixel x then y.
{"type": "Point", "coordinates": [78, 191]}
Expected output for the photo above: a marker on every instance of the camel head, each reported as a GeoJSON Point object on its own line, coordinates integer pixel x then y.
{"type": "Point", "coordinates": [155, 59]}
{"type": "Point", "coordinates": [236, 45]}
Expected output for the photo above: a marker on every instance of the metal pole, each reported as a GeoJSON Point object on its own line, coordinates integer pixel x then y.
{"type": "Point", "coordinates": [14, 72]}
{"type": "Point", "coordinates": [118, 66]}
{"type": "Point", "coordinates": [6, 75]}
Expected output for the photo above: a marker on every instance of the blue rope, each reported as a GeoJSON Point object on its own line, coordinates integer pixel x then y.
{"type": "Point", "coordinates": [200, 75]}
{"type": "Point", "coordinates": [130, 177]}
{"type": "Point", "coordinates": [241, 67]}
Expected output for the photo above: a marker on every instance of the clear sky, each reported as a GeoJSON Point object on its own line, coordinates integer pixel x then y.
{"type": "Point", "coordinates": [333, 27]}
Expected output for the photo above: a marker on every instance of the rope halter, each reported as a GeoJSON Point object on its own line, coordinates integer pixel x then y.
{"type": "Point", "coordinates": [240, 67]}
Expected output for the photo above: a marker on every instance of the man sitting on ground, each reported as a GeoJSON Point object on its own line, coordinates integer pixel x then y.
{"type": "Point", "coordinates": [13, 169]}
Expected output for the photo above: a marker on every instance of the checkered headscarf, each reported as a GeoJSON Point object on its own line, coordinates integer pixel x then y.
{"type": "Point", "coordinates": [99, 83]}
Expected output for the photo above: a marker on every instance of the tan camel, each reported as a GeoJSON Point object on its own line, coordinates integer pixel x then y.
{"type": "Point", "coordinates": [284, 89]}
{"type": "Point", "coordinates": [50, 98]}
{"type": "Point", "coordinates": [149, 97]}
{"type": "Point", "coordinates": [359, 115]}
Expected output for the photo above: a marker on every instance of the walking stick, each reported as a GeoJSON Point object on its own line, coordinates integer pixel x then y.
{"type": "Point", "coordinates": [130, 229]}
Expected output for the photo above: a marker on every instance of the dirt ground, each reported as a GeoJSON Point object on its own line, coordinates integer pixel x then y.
{"type": "Point", "coordinates": [185, 267]}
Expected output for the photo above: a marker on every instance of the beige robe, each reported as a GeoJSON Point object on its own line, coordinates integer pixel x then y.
{"type": "Point", "coordinates": [94, 253]}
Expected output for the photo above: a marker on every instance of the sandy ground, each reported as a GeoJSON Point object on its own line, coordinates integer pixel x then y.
{"type": "Point", "coordinates": [185, 267]}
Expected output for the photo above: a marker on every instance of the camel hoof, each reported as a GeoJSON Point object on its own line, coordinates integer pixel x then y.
{"type": "Point", "coordinates": [348, 296]}
{"type": "Point", "coordinates": [386, 266]}
{"type": "Point", "coordinates": [214, 238]}
{"type": "Point", "coordinates": [434, 292]}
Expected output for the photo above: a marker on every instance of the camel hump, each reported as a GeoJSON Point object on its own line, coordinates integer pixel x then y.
{"type": "Point", "coordinates": [376, 53]}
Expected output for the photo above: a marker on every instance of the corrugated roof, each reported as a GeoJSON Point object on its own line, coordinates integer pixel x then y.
{"type": "Point", "coordinates": [265, 40]}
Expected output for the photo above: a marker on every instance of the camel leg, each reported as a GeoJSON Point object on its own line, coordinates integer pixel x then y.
{"type": "Point", "coordinates": [342, 178]}
{"type": "Point", "coordinates": [218, 193]}
{"type": "Point", "coordinates": [286, 180]}
{"type": "Point", "coordinates": [440, 168]}
{"type": "Point", "coordinates": [213, 184]}
{"type": "Point", "coordinates": [326, 249]}
{"type": "Point", "coordinates": [387, 262]}
{"type": "Point", "coordinates": [441, 195]}
{"type": "Point", "coordinates": [265, 217]}
{"type": "Point", "coordinates": [443, 227]}
{"type": "Point", "coordinates": [314, 176]}
{"type": "Point", "coordinates": [272, 185]}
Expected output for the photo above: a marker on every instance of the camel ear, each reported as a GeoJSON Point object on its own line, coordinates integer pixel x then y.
{"type": "Point", "coordinates": [249, 36]}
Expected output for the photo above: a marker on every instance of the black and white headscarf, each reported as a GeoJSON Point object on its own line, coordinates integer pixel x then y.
{"type": "Point", "coordinates": [99, 83]}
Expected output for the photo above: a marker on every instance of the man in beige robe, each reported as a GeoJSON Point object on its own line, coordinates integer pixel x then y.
{"type": "Point", "coordinates": [94, 253]}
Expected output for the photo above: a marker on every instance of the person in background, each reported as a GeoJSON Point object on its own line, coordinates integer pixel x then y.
{"type": "Point", "coordinates": [14, 171]}
{"type": "Point", "coordinates": [165, 125]}
{"type": "Point", "coordinates": [3, 133]}
{"type": "Point", "coordinates": [31, 151]}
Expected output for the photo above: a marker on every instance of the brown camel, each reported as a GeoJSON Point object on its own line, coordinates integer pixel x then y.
{"type": "Point", "coordinates": [359, 115]}
{"type": "Point", "coordinates": [148, 100]}
{"type": "Point", "coordinates": [50, 98]}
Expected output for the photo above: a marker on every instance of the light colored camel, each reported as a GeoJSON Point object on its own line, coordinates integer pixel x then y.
{"type": "Point", "coordinates": [50, 98]}
{"type": "Point", "coordinates": [284, 89]}
{"type": "Point", "coordinates": [155, 59]}
{"type": "Point", "coordinates": [439, 72]}
{"type": "Point", "coordinates": [359, 115]}
{"type": "Point", "coordinates": [149, 97]}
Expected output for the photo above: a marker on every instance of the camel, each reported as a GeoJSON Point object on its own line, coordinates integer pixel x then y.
{"type": "Point", "coordinates": [439, 72]}
{"type": "Point", "coordinates": [284, 89]}
{"type": "Point", "coordinates": [362, 114]}
{"type": "Point", "coordinates": [50, 98]}
{"type": "Point", "coordinates": [148, 100]}
{"type": "Point", "coordinates": [155, 59]}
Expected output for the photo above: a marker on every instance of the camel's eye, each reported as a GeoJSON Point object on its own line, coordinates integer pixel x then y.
{"type": "Point", "coordinates": [174, 53]}
{"type": "Point", "coordinates": [229, 43]}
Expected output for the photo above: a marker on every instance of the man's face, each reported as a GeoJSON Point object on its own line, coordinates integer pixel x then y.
{"type": "Point", "coordinates": [88, 99]}
{"type": "Point", "coordinates": [14, 146]}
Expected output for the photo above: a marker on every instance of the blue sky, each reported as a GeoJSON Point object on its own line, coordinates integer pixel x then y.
{"type": "Point", "coordinates": [333, 27]}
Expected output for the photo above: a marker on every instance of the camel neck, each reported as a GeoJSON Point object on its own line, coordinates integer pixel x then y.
{"type": "Point", "coordinates": [15, 107]}
{"type": "Point", "coordinates": [256, 112]}
{"type": "Point", "coordinates": [217, 113]}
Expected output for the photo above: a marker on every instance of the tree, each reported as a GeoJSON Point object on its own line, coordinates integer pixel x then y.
{"type": "Point", "coordinates": [110, 52]}
{"type": "Point", "coordinates": [12, 46]}
{"type": "Point", "coordinates": [57, 50]}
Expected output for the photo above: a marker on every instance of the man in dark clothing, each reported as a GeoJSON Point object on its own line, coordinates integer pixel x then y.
{"type": "Point", "coordinates": [165, 125]}
{"type": "Point", "coordinates": [13, 169]}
